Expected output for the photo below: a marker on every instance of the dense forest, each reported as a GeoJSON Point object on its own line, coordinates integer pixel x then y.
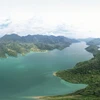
{"type": "Point", "coordinates": [13, 44]}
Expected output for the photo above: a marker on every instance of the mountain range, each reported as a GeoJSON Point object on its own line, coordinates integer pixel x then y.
{"type": "Point", "coordinates": [13, 44]}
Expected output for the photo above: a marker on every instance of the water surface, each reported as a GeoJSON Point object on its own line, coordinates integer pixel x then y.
{"type": "Point", "coordinates": [32, 74]}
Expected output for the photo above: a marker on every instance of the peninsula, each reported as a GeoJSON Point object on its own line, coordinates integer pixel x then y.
{"type": "Point", "coordinates": [87, 72]}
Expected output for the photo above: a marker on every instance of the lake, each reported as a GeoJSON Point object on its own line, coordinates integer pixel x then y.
{"type": "Point", "coordinates": [32, 74]}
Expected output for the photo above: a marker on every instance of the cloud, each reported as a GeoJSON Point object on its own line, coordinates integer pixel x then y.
{"type": "Point", "coordinates": [32, 26]}
{"type": "Point", "coordinates": [5, 23]}
{"type": "Point", "coordinates": [81, 18]}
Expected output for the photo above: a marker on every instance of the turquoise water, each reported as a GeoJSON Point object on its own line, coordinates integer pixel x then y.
{"type": "Point", "coordinates": [32, 74]}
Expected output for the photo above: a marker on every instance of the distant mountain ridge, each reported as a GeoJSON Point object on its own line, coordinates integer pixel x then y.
{"type": "Point", "coordinates": [21, 44]}
{"type": "Point", "coordinates": [40, 40]}
{"type": "Point", "coordinates": [95, 41]}
{"type": "Point", "coordinates": [32, 38]}
{"type": "Point", "coordinates": [86, 39]}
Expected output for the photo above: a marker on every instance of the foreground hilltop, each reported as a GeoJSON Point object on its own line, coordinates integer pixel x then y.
{"type": "Point", "coordinates": [14, 44]}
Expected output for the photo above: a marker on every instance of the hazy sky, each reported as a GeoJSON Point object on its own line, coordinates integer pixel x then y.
{"type": "Point", "coordinates": [80, 17]}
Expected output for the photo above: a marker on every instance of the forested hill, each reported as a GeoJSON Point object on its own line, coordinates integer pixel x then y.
{"type": "Point", "coordinates": [14, 44]}
{"type": "Point", "coordinates": [95, 41]}
{"type": "Point", "coordinates": [94, 46]}
{"type": "Point", "coordinates": [87, 72]}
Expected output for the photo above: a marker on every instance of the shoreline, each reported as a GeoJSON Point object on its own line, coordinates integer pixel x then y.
{"type": "Point", "coordinates": [35, 97]}
{"type": "Point", "coordinates": [55, 74]}
{"type": "Point", "coordinates": [24, 54]}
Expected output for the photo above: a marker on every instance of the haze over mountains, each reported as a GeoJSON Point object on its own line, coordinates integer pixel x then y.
{"type": "Point", "coordinates": [35, 25]}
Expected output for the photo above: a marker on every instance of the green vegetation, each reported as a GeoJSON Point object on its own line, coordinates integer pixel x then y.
{"type": "Point", "coordinates": [13, 44]}
{"type": "Point", "coordinates": [15, 48]}
{"type": "Point", "coordinates": [87, 72]}
{"type": "Point", "coordinates": [93, 49]}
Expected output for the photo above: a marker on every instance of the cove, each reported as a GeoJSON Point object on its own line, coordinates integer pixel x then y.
{"type": "Point", "coordinates": [32, 74]}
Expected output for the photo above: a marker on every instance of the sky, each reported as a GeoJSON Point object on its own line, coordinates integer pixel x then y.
{"type": "Point", "coordinates": [71, 18]}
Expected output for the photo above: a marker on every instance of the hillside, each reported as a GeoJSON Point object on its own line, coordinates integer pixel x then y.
{"type": "Point", "coordinates": [87, 72]}
{"type": "Point", "coordinates": [95, 41]}
{"type": "Point", "coordinates": [93, 49]}
{"type": "Point", "coordinates": [93, 46]}
{"type": "Point", "coordinates": [13, 44]}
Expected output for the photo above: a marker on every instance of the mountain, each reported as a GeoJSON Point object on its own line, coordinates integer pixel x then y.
{"type": "Point", "coordinates": [93, 49]}
{"type": "Point", "coordinates": [94, 42]}
{"type": "Point", "coordinates": [93, 46]}
{"type": "Point", "coordinates": [13, 44]}
{"type": "Point", "coordinates": [12, 37]}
